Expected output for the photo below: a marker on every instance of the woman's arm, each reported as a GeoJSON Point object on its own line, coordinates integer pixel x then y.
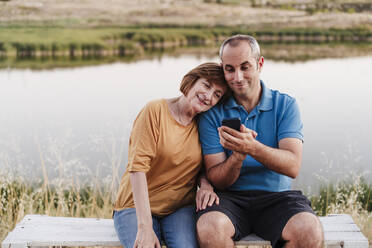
{"type": "Point", "coordinates": [146, 236]}
{"type": "Point", "coordinates": [205, 194]}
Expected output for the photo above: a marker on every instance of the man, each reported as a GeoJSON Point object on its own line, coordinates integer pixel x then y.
{"type": "Point", "coordinates": [253, 169]}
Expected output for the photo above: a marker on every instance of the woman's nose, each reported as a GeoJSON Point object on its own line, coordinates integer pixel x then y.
{"type": "Point", "coordinates": [209, 95]}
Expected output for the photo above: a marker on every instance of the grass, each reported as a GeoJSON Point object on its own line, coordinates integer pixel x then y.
{"type": "Point", "coordinates": [109, 44]}
{"type": "Point", "coordinates": [66, 197]}
{"type": "Point", "coordinates": [352, 197]}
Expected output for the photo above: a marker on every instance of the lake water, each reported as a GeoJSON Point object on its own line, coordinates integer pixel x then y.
{"type": "Point", "coordinates": [75, 123]}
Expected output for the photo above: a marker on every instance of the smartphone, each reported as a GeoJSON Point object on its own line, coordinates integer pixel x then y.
{"type": "Point", "coordinates": [233, 123]}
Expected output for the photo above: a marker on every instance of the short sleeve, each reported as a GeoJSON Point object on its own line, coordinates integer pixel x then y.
{"type": "Point", "coordinates": [208, 134]}
{"type": "Point", "coordinates": [143, 139]}
{"type": "Point", "coordinates": [290, 124]}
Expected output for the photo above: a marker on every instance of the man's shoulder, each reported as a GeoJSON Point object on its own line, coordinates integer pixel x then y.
{"type": "Point", "coordinates": [213, 116]}
{"type": "Point", "coordinates": [217, 110]}
{"type": "Point", "coordinates": [282, 96]}
{"type": "Point", "coordinates": [282, 101]}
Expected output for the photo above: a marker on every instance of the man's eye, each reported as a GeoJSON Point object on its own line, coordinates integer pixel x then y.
{"type": "Point", "coordinates": [245, 68]}
{"type": "Point", "coordinates": [229, 69]}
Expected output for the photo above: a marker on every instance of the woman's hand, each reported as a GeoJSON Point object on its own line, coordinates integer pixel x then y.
{"type": "Point", "coordinates": [205, 195]}
{"type": "Point", "coordinates": [146, 238]}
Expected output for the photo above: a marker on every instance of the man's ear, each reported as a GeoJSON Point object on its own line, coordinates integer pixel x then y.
{"type": "Point", "coordinates": [260, 63]}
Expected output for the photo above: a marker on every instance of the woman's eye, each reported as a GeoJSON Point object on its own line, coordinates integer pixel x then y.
{"type": "Point", "coordinates": [207, 85]}
{"type": "Point", "coordinates": [217, 95]}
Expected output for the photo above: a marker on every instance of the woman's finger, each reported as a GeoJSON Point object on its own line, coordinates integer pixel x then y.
{"type": "Point", "coordinates": [205, 200]}
{"type": "Point", "coordinates": [135, 244]}
{"type": "Point", "coordinates": [212, 199]}
{"type": "Point", "coordinates": [157, 244]}
{"type": "Point", "coordinates": [198, 200]}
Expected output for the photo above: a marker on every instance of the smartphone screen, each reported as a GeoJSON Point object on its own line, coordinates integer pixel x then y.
{"type": "Point", "coordinates": [233, 123]}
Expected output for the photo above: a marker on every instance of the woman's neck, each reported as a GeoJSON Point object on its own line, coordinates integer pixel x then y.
{"type": "Point", "coordinates": [181, 110]}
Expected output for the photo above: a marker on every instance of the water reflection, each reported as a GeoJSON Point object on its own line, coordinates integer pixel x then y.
{"type": "Point", "coordinates": [291, 52]}
{"type": "Point", "coordinates": [77, 121]}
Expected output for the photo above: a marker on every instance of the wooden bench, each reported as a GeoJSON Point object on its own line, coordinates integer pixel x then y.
{"type": "Point", "coordinates": [45, 231]}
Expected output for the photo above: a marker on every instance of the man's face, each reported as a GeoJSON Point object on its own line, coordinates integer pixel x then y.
{"type": "Point", "coordinates": [242, 71]}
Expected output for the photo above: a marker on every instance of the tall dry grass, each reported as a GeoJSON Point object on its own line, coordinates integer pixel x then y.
{"type": "Point", "coordinates": [66, 187]}
{"type": "Point", "coordinates": [353, 196]}
{"type": "Point", "coordinates": [19, 197]}
{"type": "Point", "coordinates": [70, 196]}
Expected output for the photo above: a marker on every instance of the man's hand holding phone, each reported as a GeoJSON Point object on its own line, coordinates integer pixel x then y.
{"type": "Point", "coordinates": [242, 141]}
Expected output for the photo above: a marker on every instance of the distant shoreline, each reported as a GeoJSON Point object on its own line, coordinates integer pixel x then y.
{"type": "Point", "coordinates": [129, 42]}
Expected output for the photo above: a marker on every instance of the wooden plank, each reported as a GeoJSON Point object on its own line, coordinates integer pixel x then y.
{"type": "Point", "coordinates": [37, 230]}
{"type": "Point", "coordinates": [341, 231]}
{"type": "Point", "coordinates": [41, 230]}
{"type": "Point", "coordinates": [253, 239]}
{"type": "Point", "coordinates": [336, 218]}
{"type": "Point", "coordinates": [341, 228]}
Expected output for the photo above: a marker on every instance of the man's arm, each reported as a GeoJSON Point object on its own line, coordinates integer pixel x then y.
{"type": "Point", "coordinates": [222, 172]}
{"type": "Point", "coordinates": [285, 160]}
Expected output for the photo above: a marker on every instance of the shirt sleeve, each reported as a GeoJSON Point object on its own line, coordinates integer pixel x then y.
{"type": "Point", "coordinates": [143, 140]}
{"type": "Point", "coordinates": [290, 125]}
{"type": "Point", "coordinates": [208, 134]}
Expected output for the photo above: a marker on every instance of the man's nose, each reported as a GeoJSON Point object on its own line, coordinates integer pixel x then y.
{"type": "Point", "coordinates": [238, 76]}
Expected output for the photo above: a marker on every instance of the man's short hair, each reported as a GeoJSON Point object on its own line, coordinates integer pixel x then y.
{"type": "Point", "coordinates": [235, 41]}
{"type": "Point", "coordinates": [212, 72]}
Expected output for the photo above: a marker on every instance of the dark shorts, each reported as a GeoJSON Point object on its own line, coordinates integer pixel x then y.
{"type": "Point", "coordinates": [260, 212]}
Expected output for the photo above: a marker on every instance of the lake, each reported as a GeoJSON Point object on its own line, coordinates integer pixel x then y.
{"type": "Point", "coordinates": [75, 123]}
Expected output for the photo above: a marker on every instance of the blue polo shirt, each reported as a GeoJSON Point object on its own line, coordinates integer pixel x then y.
{"type": "Point", "coordinates": [277, 116]}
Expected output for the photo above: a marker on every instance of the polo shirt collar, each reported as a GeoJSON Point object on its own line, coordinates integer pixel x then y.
{"type": "Point", "coordinates": [265, 104]}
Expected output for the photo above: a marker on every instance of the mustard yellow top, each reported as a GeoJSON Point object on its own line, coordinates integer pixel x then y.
{"type": "Point", "coordinates": [170, 155]}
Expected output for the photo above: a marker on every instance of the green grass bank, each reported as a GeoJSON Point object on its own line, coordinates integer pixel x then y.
{"type": "Point", "coordinates": [51, 47]}
{"type": "Point", "coordinates": [72, 42]}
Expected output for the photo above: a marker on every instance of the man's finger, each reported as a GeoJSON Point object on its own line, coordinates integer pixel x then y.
{"type": "Point", "coordinates": [230, 131]}
{"type": "Point", "coordinates": [229, 138]}
{"type": "Point", "coordinates": [244, 129]}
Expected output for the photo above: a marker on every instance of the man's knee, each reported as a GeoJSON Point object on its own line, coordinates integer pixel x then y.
{"type": "Point", "coordinates": [304, 229]}
{"type": "Point", "coordinates": [213, 228]}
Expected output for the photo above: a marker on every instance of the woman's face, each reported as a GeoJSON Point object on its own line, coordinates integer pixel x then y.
{"type": "Point", "coordinates": [203, 95]}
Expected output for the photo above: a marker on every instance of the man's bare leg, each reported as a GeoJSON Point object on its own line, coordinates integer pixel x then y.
{"type": "Point", "coordinates": [215, 229]}
{"type": "Point", "coordinates": [303, 230]}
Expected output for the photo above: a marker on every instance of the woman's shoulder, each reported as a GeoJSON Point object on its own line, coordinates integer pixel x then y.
{"type": "Point", "coordinates": [155, 105]}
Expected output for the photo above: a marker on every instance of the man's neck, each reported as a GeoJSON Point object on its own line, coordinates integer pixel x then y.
{"type": "Point", "coordinates": [249, 100]}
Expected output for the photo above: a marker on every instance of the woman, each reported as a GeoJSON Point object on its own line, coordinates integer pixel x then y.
{"type": "Point", "coordinates": [157, 192]}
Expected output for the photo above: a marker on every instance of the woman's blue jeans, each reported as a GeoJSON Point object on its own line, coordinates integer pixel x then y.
{"type": "Point", "coordinates": [177, 229]}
